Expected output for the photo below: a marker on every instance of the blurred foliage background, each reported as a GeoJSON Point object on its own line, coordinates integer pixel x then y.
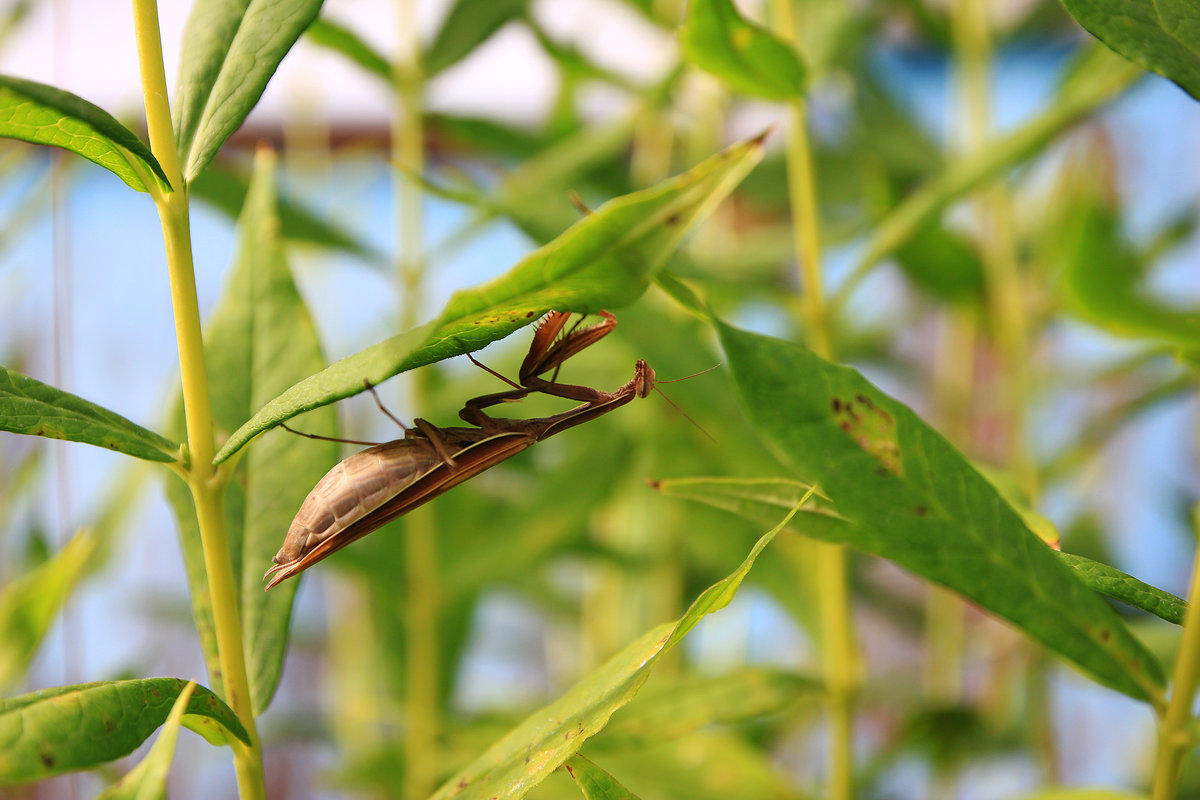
{"type": "Point", "coordinates": [1008, 213]}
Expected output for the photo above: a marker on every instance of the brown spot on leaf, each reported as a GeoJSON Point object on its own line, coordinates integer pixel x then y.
{"type": "Point", "coordinates": [47, 760]}
{"type": "Point", "coordinates": [922, 511]}
{"type": "Point", "coordinates": [874, 433]}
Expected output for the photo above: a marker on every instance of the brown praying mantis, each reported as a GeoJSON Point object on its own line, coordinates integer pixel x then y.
{"type": "Point", "coordinates": [386, 481]}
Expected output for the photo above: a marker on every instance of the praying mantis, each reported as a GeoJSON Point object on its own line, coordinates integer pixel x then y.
{"type": "Point", "coordinates": [386, 481]}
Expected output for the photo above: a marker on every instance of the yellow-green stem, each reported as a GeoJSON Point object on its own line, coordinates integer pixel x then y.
{"type": "Point", "coordinates": [421, 607]}
{"type": "Point", "coordinates": [207, 491]}
{"type": "Point", "coordinates": [953, 380]}
{"type": "Point", "coordinates": [802, 190]}
{"type": "Point", "coordinates": [1175, 738]}
{"type": "Point", "coordinates": [972, 44]}
{"type": "Point", "coordinates": [841, 661]}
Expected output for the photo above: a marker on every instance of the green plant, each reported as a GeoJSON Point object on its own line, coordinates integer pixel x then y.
{"type": "Point", "coordinates": [807, 449]}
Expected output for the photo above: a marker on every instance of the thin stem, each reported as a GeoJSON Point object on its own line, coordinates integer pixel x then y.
{"type": "Point", "coordinates": [207, 490]}
{"type": "Point", "coordinates": [421, 608]}
{"type": "Point", "coordinates": [953, 380]}
{"type": "Point", "coordinates": [1175, 739]}
{"type": "Point", "coordinates": [972, 45]}
{"type": "Point", "coordinates": [841, 661]}
{"type": "Point", "coordinates": [802, 190]}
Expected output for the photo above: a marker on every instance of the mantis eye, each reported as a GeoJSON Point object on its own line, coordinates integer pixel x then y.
{"type": "Point", "coordinates": [644, 381]}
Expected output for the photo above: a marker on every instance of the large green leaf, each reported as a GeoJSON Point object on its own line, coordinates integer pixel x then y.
{"type": "Point", "coordinates": [31, 407]}
{"type": "Point", "coordinates": [764, 499]}
{"type": "Point", "coordinates": [1161, 35]}
{"type": "Point", "coordinates": [605, 259]}
{"type": "Point", "coordinates": [148, 780]}
{"type": "Point", "coordinates": [231, 48]}
{"type": "Point", "coordinates": [914, 499]}
{"type": "Point", "coordinates": [717, 39]}
{"type": "Point", "coordinates": [71, 728]}
{"type": "Point", "coordinates": [30, 604]}
{"type": "Point", "coordinates": [41, 114]}
{"type": "Point", "coordinates": [548, 737]}
{"type": "Point", "coordinates": [259, 340]}
{"type": "Point", "coordinates": [468, 24]}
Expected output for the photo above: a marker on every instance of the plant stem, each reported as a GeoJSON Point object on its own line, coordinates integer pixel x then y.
{"type": "Point", "coordinates": [1009, 323]}
{"type": "Point", "coordinates": [841, 662]}
{"type": "Point", "coordinates": [973, 50]}
{"type": "Point", "coordinates": [207, 490]}
{"type": "Point", "coordinates": [953, 382]}
{"type": "Point", "coordinates": [1175, 738]}
{"type": "Point", "coordinates": [421, 607]}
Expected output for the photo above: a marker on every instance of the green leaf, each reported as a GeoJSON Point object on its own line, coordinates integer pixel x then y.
{"type": "Point", "coordinates": [690, 703]}
{"type": "Point", "coordinates": [30, 604]}
{"type": "Point", "coordinates": [711, 764]}
{"type": "Point", "coordinates": [915, 500]}
{"type": "Point", "coordinates": [41, 114]}
{"type": "Point", "coordinates": [547, 738]}
{"type": "Point", "coordinates": [717, 39]}
{"type": "Point", "coordinates": [260, 339]}
{"type": "Point", "coordinates": [1126, 588]}
{"type": "Point", "coordinates": [605, 259]}
{"type": "Point", "coordinates": [148, 780]}
{"type": "Point", "coordinates": [231, 48]}
{"type": "Point", "coordinates": [70, 728]}
{"type": "Point", "coordinates": [944, 264]}
{"type": "Point", "coordinates": [759, 499]}
{"type": "Point", "coordinates": [595, 783]}
{"type": "Point", "coordinates": [31, 407]}
{"type": "Point", "coordinates": [1102, 277]}
{"type": "Point", "coordinates": [469, 24]}
{"type": "Point", "coordinates": [226, 190]}
{"type": "Point", "coordinates": [1162, 36]}
{"type": "Point", "coordinates": [345, 41]}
